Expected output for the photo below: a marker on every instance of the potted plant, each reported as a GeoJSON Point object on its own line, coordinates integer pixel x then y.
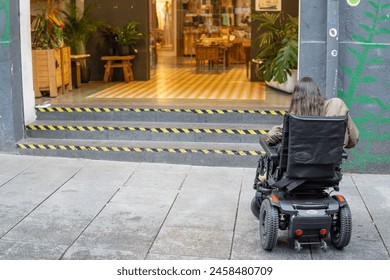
{"type": "Point", "coordinates": [127, 37]}
{"type": "Point", "coordinates": [79, 27]}
{"type": "Point", "coordinates": [108, 33]}
{"type": "Point", "coordinates": [51, 59]}
{"type": "Point", "coordinates": [277, 48]}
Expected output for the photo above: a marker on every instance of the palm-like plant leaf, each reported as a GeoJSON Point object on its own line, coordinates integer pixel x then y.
{"type": "Point", "coordinates": [278, 45]}
{"type": "Point", "coordinates": [78, 26]}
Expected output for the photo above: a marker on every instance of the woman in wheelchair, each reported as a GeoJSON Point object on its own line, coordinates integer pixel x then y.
{"type": "Point", "coordinates": [308, 101]}
{"type": "Point", "coordinates": [301, 162]}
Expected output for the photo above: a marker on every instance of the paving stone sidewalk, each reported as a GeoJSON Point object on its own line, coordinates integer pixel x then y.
{"type": "Point", "coordinates": [60, 208]}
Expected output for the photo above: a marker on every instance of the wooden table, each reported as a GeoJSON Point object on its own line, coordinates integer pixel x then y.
{"type": "Point", "coordinates": [78, 59]}
{"type": "Point", "coordinates": [118, 61]}
{"type": "Point", "coordinates": [213, 54]}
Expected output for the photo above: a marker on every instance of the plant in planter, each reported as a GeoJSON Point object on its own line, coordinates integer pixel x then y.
{"type": "Point", "coordinates": [47, 31]}
{"type": "Point", "coordinates": [127, 37]}
{"type": "Point", "coordinates": [278, 46]}
{"type": "Point", "coordinates": [79, 27]}
{"type": "Point", "coordinates": [51, 60]}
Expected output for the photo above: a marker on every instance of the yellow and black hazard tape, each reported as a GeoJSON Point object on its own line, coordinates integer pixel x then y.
{"type": "Point", "coordinates": [139, 150]}
{"type": "Point", "coordinates": [163, 110]}
{"type": "Point", "coordinates": [154, 129]}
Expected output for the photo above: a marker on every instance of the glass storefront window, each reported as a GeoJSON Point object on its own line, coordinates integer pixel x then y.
{"type": "Point", "coordinates": [215, 19]}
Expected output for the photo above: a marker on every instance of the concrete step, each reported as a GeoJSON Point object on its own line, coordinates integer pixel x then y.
{"type": "Point", "coordinates": [162, 115]}
{"type": "Point", "coordinates": [150, 131]}
{"type": "Point", "coordinates": [214, 137]}
{"type": "Point", "coordinates": [192, 153]}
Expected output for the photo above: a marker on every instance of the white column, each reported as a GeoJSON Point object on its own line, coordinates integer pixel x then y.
{"type": "Point", "coordinates": [26, 59]}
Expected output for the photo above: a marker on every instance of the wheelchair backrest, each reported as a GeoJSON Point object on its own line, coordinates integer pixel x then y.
{"type": "Point", "coordinates": [311, 147]}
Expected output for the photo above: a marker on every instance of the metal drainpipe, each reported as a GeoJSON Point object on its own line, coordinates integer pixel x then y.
{"type": "Point", "coordinates": [332, 48]}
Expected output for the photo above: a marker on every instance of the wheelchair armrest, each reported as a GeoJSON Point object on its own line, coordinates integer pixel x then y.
{"type": "Point", "coordinates": [271, 153]}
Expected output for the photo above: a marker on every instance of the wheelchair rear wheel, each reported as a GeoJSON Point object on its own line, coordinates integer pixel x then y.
{"type": "Point", "coordinates": [269, 220]}
{"type": "Point", "coordinates": [341, 233]}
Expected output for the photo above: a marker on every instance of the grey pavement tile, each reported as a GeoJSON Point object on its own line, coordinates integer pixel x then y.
{"type": "Point", "coordinates": [47, 230]}
{"type": "Point", "coordinates": [174, 257]}
{"type": "Point", "coordinates": [193, 242]}
{"type": "Point", "coordinates": [76, 200]}
{"type": "Point", "coordinates": [33, 186]}
{"type": "Point", "coordinates": [156, 179]}
{"type": "Point", "coordinates": [97, 253]}
{"type": "Point", "coordinates": [205, 179]}
{"type": "Point", "coordinates": [66, 213]}
{"type": "Point", "coordinates": [365, 243]}
{"type": "Point", "coordinates": [30, 251]}
{"type": "Point", "coordinates": [106, 172]}
{"type": "Point", "coordinates": [163, 167]}
{"type": "Point", "coordinates": [208, 199]}
{"type": "Point", "coordinates": [11, 166]}
{"type": "Point", "coordinates": [211, 210]}
{"type": "Point", "coordinates": [375, 190]}
{"type": "Point", "coordinates": [130, 222]}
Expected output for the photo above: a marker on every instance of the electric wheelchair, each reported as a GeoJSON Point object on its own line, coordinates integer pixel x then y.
{"type": "Point", "coordinates": [300, 175]}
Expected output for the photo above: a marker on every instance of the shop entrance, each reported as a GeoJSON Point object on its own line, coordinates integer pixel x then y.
{"type": "Point", "coordinates": [179, 76]}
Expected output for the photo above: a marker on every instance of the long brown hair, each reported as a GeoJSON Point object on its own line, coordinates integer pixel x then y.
{"type": "Point", "coordinates": [307, 99]}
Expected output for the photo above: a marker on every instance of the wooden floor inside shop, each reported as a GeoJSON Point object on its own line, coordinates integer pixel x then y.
{"type": "Point", "coordinates": [178, 83]}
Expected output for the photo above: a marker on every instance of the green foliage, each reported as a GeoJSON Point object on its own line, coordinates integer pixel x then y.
{"type": "Point", "coordinates": [375, 112]}
{"type": "Point", "coordinates": [79, 26]}
{"type": "Point", "coordinates": [47, 31]}
{"type": "Point", "coordinates": [128, 35]}
{"type": "Point", "coordinates": [277, 44]}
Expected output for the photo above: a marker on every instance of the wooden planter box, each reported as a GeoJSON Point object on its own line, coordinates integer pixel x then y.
{"type": "Point", "coordinates": [51, 71]}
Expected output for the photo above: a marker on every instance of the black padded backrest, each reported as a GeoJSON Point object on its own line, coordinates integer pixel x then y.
{"type": "Point", "coordinates": [314, 146]}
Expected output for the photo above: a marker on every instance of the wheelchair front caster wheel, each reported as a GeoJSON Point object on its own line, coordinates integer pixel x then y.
{"type": "Point", "coordinates": [255, 207]}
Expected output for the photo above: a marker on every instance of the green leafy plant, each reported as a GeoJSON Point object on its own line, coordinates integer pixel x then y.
{"type": "Point", "coordinates": [108, 33]}
{"type": "Point", "coordinates": [47, 31]}
{"type": "Point", "coordinates": [277, 45]}
{"type": "Point", "coordinates": [128, 34]}
{"type": "Point", "coordinates": [79, 27]}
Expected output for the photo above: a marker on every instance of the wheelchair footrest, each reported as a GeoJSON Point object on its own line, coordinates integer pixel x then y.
{"type": "Point", "coordinates": [321, 242]}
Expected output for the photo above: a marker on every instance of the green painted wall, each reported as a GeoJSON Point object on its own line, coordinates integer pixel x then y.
{"type": "Point", "coordinates": [364, 81]}
{"type": "Point", "coordinates": [362, 75]}
{"type": "Point", "coordinates": [4, 22]}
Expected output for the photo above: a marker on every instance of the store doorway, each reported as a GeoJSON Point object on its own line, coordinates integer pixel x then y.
{"type": "Point", "coordinates": [190, 21]}
{"type": "Point", "coordinates": [164, 29]}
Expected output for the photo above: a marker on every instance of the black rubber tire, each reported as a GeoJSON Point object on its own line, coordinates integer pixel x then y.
{"type": "Point", "coordinates": [269, 220]}
{"type": "Point", "coordinates": [255, 207]}
{"type": "Point", "coordinates": [341, 234]}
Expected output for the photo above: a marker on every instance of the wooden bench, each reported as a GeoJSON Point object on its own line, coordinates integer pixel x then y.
{"type": "Point", "coordinates": [118, 61]}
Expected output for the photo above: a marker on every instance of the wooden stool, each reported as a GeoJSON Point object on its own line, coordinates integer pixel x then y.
{"type": "Point", "coordinates": [78, 60]}
{"type": "Point", "coordinates": [118, 61]}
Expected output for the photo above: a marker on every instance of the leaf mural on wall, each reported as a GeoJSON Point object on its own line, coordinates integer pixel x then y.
{"type": "Point", "coordinates": [375, 112]}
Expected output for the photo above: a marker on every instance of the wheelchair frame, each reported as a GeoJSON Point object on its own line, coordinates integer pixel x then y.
{"type": "Point", "coordinates": [297, 198]}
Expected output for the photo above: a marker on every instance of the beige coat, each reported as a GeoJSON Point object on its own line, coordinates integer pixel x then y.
{"type": "Point", "coordinates": [333, 107]}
